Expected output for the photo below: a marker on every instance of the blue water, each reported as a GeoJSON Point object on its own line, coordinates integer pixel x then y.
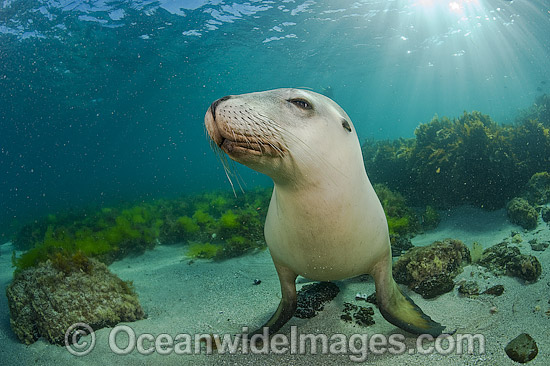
{"type": "Point", "coordinates": [103, 101]}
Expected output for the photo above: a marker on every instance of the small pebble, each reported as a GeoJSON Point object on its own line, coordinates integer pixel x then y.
{"type": "Point", "coordinates": [257, 281]}
{"type": "Point", "coordinates": [493, 310]}
{"type": "Point", "coordinates": [469, 288]}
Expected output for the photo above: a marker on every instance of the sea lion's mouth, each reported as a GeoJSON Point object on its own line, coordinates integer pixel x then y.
{"type": "Point", "coordinates": [232, 147]}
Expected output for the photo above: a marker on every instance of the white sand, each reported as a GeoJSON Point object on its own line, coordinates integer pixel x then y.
{"type": "Point", "coordinates": [209, 297]}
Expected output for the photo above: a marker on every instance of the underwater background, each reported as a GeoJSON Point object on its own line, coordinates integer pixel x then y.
{"type": "Point", "coordinates": [103, 101]}
{"type": "Point", "coordinates": [115, 210]}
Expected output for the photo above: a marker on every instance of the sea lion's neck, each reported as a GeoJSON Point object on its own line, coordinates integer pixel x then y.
{"type": "Point", "coordinates": [325, 191]}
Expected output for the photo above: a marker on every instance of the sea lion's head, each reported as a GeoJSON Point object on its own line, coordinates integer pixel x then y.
{"type": "Point", "coordinates": [283, 133]}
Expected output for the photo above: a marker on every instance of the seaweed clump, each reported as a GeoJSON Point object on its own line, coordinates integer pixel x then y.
{"type": "Point", "coordinates": [107, 234]}
{"type": "Point", "coordinates": [466, 160]}
{"type": "Point", "coordinates": [403, 222]}
{"type": "Point", "coordinates": [537, 190]}
{"type": "Point", "coordinates": [213, 220]}
{"type": "Point", "coordinates": [520, 212]}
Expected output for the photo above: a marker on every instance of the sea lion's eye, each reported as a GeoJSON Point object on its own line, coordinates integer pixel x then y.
{"type": "Point", "coordinates": [301, 103]}
{"type": "Point", "coordinates": [346, 125]}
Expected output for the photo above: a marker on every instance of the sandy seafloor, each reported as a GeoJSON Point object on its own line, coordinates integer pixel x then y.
{"type": "Point", "coordinates": [219, 297]}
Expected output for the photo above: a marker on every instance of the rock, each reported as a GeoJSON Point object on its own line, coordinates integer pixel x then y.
{"type": "Point", "coordinates": [516, 238]}
{"type": "Point", "coordinates": [545, 214]}
{"type": "Point", "coordinates": [430, 270]}
{"type": "Point", "coordinates": [469, 288]}
{"type": "Point", "coordinates": [521, 213]}
{"type": "Point", "coordinates": [526, 267]}
{"type": "Point", "coordinates": [399, 244]}
{"type": "Point", "coordinates": [522, 349]}
{"type": "Point", "coordinates": [45, 300]}
{"type": "Point", "coordinates": [360, 314]}
{"type": "Point", "coordinates": [312, 298]}
{"type": "Point", "coordinates": [538, 247]}
{"type": "Point", "coordinates": [496, 290]}
{"type": "Point", "coordinates": [503, 259]}
{"type": "Point", "coordinates": [537, 191]}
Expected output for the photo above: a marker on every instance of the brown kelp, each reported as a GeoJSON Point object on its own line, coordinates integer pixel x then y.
{"type": "Point", "coordinates": [466, 160]}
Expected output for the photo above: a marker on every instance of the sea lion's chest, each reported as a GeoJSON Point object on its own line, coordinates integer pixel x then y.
{"type": "Point", "coordinates": [325, 239]}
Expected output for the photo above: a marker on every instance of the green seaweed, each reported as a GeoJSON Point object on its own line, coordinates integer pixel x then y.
{"type": "Point", "coordinates": [430, 218]}
{"type": "Point", "coordinates": [203, 250]}
{"type": "Point", "coordinates": [398, 225]}
{"type": "Point", "coordinates": [202, 218]}
{"type": "Point", "coordinates": [69, 263]}
{"type": "Point", "coordinates": [402, 220]}
{"type": "Point", "coordinates": [229, 220]}
{"type": "Point", "coordinates": [237, 245]}
{"type": "Point", "coordinates": [188, 225]}
{"type": "Point", "coordinates": [110, 233]}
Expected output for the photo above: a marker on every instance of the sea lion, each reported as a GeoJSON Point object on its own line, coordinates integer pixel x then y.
{"type": "Point", "coordinates": [325, 221]}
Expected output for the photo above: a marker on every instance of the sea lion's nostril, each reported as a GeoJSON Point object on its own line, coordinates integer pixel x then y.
{"type": "Point", "coordinates": [214, 105]}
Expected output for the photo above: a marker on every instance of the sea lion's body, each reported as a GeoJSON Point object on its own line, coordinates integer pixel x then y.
{"type": "Point", "coordinates": [324, 221]}
{"type": "Point", "coordinates": [328, 232]}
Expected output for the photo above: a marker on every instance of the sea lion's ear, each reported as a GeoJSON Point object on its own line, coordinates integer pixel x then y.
{"type": "Point", "coordinates": [346, 125]}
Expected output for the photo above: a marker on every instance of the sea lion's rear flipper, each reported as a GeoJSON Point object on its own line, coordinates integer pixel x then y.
{"type": "Point", "coordinates": [287, 306]}
{"type": "Point", "coordinates": [399, 309]}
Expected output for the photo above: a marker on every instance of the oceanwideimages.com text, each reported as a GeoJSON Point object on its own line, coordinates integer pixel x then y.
{"type": "Point", "coordinates": [124, 340]}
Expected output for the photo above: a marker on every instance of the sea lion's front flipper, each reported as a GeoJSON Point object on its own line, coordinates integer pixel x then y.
{"type": "Point", "coordinates": [287, 306]}
{"type": "Point", "coordinates": [399, 309]}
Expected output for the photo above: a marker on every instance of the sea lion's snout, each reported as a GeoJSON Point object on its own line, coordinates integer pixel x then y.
{"type": "Point", "coordinates": [211, 124]}
{"type": "Point", "coordinates": [214, 105]}
{"type": "Point", "coordinates": [238, 128]}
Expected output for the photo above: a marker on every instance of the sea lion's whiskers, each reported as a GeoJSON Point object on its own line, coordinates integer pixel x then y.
{"type": "Point", "coordinates": [262, 142]}
{"type": "Point", "coordinates": [228, 167]}
{"type": "Point", "coordinates": [285, 135]}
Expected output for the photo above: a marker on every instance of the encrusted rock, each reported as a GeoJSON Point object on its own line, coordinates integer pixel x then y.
{"type": "Point", "coordinates": [45, 300]}
{"type": "Point", "coordinates": [469, 288]}
{"type": "Point", "coordinates": [521, 213]}
{"type": "Point", "coordinates": [526, 267]}
{"type": "Point", "coordinates": [496, 290]}
{"type": "Point", "coordinates": [545, 213]}
{"type": "Point", "coordinates": [503, 259]}
{"type": "Point", "coordinates": [538, 246]}
{"type": "Point", "coordinates": [359, 314]}
{"type": "Point", "coordinates": [430, 270]}
{"type": "Point", "coordinates": [522, 349]}
{"type": "Point", "coordinates": [399, 244]}
{"type": "Point", "coordinates": [312, 298]}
